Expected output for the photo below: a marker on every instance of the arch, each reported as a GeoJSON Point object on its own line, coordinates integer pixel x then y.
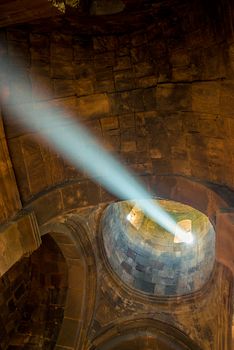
{"type": "Point", "coordinates": [147, 259]}
{"type": "Point", "coordinates": [70, 234]}
{"type": "Point", "coordinates": [213, 200]}
{"type": "Point", "coordinates": [167, 336]}
{"type": "Point", "coordinates": [72, 195]}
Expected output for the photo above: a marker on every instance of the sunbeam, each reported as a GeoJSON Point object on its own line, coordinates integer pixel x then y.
{"type": "Point", "coordinates": [77, 145]}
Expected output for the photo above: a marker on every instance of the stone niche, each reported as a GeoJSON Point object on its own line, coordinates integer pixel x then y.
{"type": "Point", "coordinates": [148, 258]}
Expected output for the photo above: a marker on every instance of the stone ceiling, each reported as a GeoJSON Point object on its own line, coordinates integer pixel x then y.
{"type": "Point", "coordinates": [152, 260]}
{"type": "Point", "coordinates": [92, 16]}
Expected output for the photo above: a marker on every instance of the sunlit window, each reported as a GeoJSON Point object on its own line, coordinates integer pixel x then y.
{"type": "Point", "coordinates": [186, 225]}
{"type": "Point", "coordinates": [136, 217]}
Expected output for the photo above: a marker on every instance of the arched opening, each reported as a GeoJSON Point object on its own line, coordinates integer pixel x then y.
{"type": "Point", "coordinates": [34, 295]}
{"type": "Point", "coordinates": [143, 334]}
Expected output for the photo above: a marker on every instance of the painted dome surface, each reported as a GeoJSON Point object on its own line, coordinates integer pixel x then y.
{"type": "Point", "coordinates": [148, 258]}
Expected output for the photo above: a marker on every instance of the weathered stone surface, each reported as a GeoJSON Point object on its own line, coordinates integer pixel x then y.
{"type": "Point", "coordinates": [124, 80]}
{"type": "Point", "coordinates": [109, 123]}
{"type": "Point", "coordinates": [106, 7]}
{"type": "Point", "coordinates": [30, 12]}
{"type": "Point", "coordinates": [205, 97]}
{"type": "Point", "coordinates": [24, 235]}
{"type": "Point", "coordinates": [104, 64]}
{"type": "Point", "coordinates": [9, 196]}
{"type": "Point", "coordinates": [155, 87]}
{"type": "Point", "coordinates": [226, 98]}
{"type": "Point", "coordinates": [224, 240]}
{"type": "Point", "coordinates": [93, 106]}
{"type": "Point", "coordinates": [171, 97]}
{"type": "Point", "coordinates": [84, 87]}
{"type": "Point", "coordinates": [153, 262]}
{"type": "Point", "coordinates": [180, 58]}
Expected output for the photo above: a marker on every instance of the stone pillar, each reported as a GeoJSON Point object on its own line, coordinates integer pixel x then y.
{"type": "Point", "coordinates": [225, 245]}
{"type": "Point", "coordinates": [18, 238]}
{"type": "Point", "coordinates": [225, 238]}
{"type": "Point", "coordinates": [9, 196]}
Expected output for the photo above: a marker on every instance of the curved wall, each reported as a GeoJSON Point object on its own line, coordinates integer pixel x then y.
{"type": "Point", "coordinates": [150, 259]}
{"type": "Point", "coordinates": [161, 98]}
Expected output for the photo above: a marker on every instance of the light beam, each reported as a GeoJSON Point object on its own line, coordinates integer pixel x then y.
{"type": "Point", "coordinates": [76, 144]}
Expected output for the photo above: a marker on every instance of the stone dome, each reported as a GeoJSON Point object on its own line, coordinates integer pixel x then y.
{"type": "Point", "coordinates": [148, 258]}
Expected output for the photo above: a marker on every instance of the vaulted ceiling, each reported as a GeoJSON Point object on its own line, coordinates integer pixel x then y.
{"type": "Point", "coordinates": [153, 81]}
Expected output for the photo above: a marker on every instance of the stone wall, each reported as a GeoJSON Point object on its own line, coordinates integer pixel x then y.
{"type": "Point", "coordinates": [14, 291]}
{"type": "Point", "coordinates": [9, 196]}
{"type": "Point", "coordinates": [33, 295]}
{"type": "Point", "coordinates": [161, 98]}
{"type": "Point", "coordinates": [148, 259]}
{"type": "Point", "coordinates": [203, 316]}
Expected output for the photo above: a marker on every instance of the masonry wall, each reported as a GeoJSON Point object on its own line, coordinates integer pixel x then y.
{"type": "Point", "coordinates": [33, 294]}
{"type": "Point", "coordinates": [14, 291]}
{"type": "Point", "coordinates": [161, 98]}
{"type": "Point", "coordinates": [204, 316]}
{"type": "Point", "coordinates": [147, 259]}
{"type": "Point", "coordinates": [9, 196]}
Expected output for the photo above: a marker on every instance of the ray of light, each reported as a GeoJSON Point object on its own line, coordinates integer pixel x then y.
{"type": "Point", "coordinates": [77, 145]}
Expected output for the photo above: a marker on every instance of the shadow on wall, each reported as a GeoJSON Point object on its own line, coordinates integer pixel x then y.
{"type": "Point", "coordinates": [34, 293]}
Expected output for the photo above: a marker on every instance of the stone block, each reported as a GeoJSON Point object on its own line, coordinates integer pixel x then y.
{"type": "Point", "coordinates": [69, 250]}
{"type": "Point", "coordinates": [109, 123]}
{"type": "Point", "coordinates": [180, 57]}
{"type": "Point", "coordinates": [127, 121]}
{"type": "Point", "coordinates": [64, 71]}
{"type": "Point", "coordinates": [182, 74]}
{"type": "Point", "coordinates": [83, 48]}
{"type": "Point", "coordinates": [104, 60]}
{"type": "Point", "coordinates": [104, 86]}
{"type": "Point", "coordinates": [42, 87]}
{"type": "Point", "coordinates": [74, 195]}
{"type": "Point", "coordinates": [124, 80]}
{"type": "Point", "coordinates": [121, 103]}
{"type": "Point", "coordinates": [93, 106]}
{"type": "Point", "coordinates": [40, 54]}
{"type": "Point", "coordinates": [48, 206]}
{"type": "Point", "coordinates": [69, 333]}
{"type": "Point", "coordinates": [205, 97]}
{"type": "Point", "coordinates": [60, 53]}
{"type": "Point", "coordinates": [39, 40]}
{"type": "Point", "coordinates": [17, 35]}
{"type": "Point", "coordinates": [149, 99]}
{"type": "Point", "coordinates": [105, 43]}
{"type": "Point", "coordinates": [73, 306]}
{"type": "Point", "coordinates": [76, 273]}
{"type": "Point", "coordinates": [61, 38]}
{"type": "Point", "coordinates": [9, 196]}
{"type": "Point", "coordinates": [128, 146]}
{"type": "Point", "coordinates": [140, 53]}
{"type": "Point", "coordinates": [104, 73]}
{"type": "Point", "coordinates": [84, 70]}
{"type": "Point", "coordinates": [227, 98]}
{"type": "Point", "coordinates": [138, 38]}
{"type": "Point", "coordinates": [63, 87]}
{"type": "Point", "coordinates": [143, 69]}
{"type": "Point", "coordinates": [122, 63]}
{"type": "Point", "coordinates": [84, 86]}
{"type": "Point", "coordinates": [174, 97]}
{"type": "Point", "coordinates": [146, 82]}
{"type": "Point", "coordinates": [23, 234]}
